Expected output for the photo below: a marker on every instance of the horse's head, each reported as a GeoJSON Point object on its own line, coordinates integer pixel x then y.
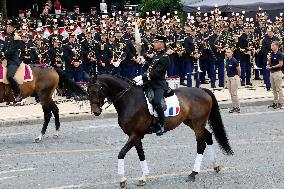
{"type": "Point", "coordinates": [96, 96]}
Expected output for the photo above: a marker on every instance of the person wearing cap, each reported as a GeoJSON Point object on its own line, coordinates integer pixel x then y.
{"type": "Point", "coordinates": [104, 54]}
{"type": "Point", "coordinates": [190, 50]}
{"type": "Point", "coordinates": [275, 65]}
{"type": "Point", "coordinates": [266, 48]}
{"type": "Point", "coordinates": [72, 57]}
{"type": "Point", "coordinates": [76, 13]}
{"type": "Point", "coordinates": [244, 56]}
{"type": "Point", "coordinates": [61, 19]}
{"type": "Point", "coordinates": [10, 52]}
{"type": "Point", "coordinates": [154, 79]}
{"type": "Point", "coordinates": [26, 48]}
{"type": "Point", "coordinates": [179, 55]}
{"type": "Point", "coordinates": [213, 54]}
{"type": "Point", "coordinates": [93, 18]}
{"type": "Point", "coordinates": [89, 47]}
{"type": "Point", "coordinates": [40, 53]}
{"type": "Point", "coordinates": [130, 61]}
{"type": "Point", "coordinates": [147, 47]}
{"type": "Point", "coordinates": [55, 55]}
{"type": "Point", "coordinates": [119, 50]}
{"type": "Point", "coordinates": [204, 58]}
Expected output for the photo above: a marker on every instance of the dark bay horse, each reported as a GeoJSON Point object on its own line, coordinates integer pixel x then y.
{"type": "Point", "coordinates": [198, 106]}
{"type": "Point", "coordinates": [45, 82]}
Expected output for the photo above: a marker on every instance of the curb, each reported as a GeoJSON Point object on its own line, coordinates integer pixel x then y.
{"type": "Point", "coordinates": [87, 116]}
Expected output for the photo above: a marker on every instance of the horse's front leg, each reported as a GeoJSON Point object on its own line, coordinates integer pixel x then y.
{"type": "Point", "coordinates": [47, 117]}
{"type": "Point", "coordinates": [143, 163]}
{"type": "Point", "coordinates": [130, 143]}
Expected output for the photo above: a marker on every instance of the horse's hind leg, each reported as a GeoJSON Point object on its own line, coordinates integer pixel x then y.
{"type": "Point", "coordinates": [198, 127]}
{"type": "Point", "coordinates": [143, 163]}
{"type": "Point", "coordinates": [47, 117]}
{"type": "Point", "coordinates": [211, 150]}
{"type": "Point", "coordinates": [55, 112]}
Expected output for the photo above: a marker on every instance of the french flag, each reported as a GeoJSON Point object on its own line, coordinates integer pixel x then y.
{"type": "Point", "coordinates": [174, 111]}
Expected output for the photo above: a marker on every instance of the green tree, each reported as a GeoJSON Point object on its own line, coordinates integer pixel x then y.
{"type": "Point", "coordinates": [164, 6]}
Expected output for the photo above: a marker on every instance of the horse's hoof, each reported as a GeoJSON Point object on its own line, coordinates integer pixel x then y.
{"type": "Point", "coordinates": [190, 178]}
{"type": "Point", "coordinates": [141, 183]}
{"type": "Point", "coordinates": [123, 184]}
{"type": "Point", "coordinates": [218, 168]}
{"type": "Point", "coordinates": [55, 136]}
{"type": "Point", "coordinates": [37, 140]}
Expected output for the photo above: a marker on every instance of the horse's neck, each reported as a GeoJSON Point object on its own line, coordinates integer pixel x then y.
{"type": "Point", "coordinates": [114, 86]}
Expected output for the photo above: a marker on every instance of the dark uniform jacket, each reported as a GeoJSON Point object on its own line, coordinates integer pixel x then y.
{"type": "Point", "coordinates": [11, 50]}
{"type": "Point", "coordinates": [156, 76]}
{"type": "Point", "coordinates": [71, 53]}
{"type": "Point", "coordinates": [243, 45]}
{"type": "Point", "coordinates": [27, 51]}
{"type": "Point", "coordinates": [189, 49]}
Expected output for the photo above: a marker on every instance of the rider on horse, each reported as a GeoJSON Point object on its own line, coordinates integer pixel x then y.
{"type": "Point", "coordinates": [154, 79]}
{"type": "Point", "coordinates": [11, 54]}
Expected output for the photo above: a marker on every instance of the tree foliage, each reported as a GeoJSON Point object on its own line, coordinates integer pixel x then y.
{"type": "Point", "coordinates": [164, 6]}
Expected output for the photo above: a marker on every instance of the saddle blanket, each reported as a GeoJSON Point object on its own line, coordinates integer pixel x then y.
{"type": "Point", "coordinates": [173, 107]}
{"type": "Point", "coordinates": [23, 74]}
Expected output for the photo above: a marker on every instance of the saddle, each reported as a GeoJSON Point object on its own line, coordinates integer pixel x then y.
{"type": "Point", "coordinates": [170, 103]}
{"type": "Point", "coordinates": [23, 74]}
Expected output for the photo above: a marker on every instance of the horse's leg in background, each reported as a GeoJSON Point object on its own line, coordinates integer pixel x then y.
{"type": "Point", "coordinates": [211, 150]}
{"type": "Point", "coordinates": [55, 112]}
{"type": "Point", "coordinates": [198, 127]}
{"type": "Point", "coordinates": [143, 163]}
{"type": "Point", "coordinates": [129, 144]}
{"type": "Point", "coordinates": [47, 116]}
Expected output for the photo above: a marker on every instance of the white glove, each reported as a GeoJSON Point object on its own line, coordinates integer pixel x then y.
{"type": "Point", "coordinates": [116, 64]}
{"type": "Point", "coordinates": [138, 80]}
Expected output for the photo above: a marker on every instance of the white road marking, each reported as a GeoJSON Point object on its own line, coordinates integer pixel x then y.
{"type": "Point", "coordinates": [177, 146]}
{"type": "Point", "coordinates": [100, 126]}
{"type": "Point", "coordinates": [17, 170]}
{"type": "Point", "coordinates": [134, 179]}
{"type": "Point", "coordinates": [5, 178]}
{"type": "Point", "coordinates": [12, 134]}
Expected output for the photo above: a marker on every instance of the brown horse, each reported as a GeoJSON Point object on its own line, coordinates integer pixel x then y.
{"type": "Point", "coordinates": [198, 106]}
{"type": "Point", "coordinates": [45, 82]}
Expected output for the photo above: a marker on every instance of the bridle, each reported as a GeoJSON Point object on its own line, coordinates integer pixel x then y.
{"type": "Point", "coordinates": [102, 95]}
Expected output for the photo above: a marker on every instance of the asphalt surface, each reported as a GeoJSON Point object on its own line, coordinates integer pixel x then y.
{"type": "Point", "coordinates": [85, 155]}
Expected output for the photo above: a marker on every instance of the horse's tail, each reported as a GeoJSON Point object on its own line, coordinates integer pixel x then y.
{"type": "Point", "coordinates": [216, 124]}
{"type": "Point", "coordinates": [71, 86]}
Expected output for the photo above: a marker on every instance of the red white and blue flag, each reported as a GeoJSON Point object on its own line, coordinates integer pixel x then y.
{"type": "Point", "coordinates": [173, 111]}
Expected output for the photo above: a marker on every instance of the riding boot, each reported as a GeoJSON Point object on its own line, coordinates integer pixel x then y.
{"type": "Point", "coordinates": [160, 112]}
{"type": "Point", "coordinates": [16, 89]}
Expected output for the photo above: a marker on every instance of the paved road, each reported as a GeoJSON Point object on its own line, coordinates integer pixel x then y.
{"type": "Point", "coordinates": [85, 155]}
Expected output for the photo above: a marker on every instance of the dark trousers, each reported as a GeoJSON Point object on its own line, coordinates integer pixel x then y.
{"type": "Point", "coordinates": [204, 68]}
{"type": "Point", "coordinates": [157, 103]}
{"type": "Point", "coordinates": [76, 74]}
{"type": "Point", "coordinates": [259, 64]}
{"type": "Point", "coordinates": [245, 70]}
{"type": "Point", "coordinates": [179, 68]}
{"type": "Point", "coordinates": [188, 71]}
{"type": "Point", "coordinates": [129, 71]}
{"type": "Point", "coordinates": [220, 66]}
{"type": "Point", "coordinates": [11, 71]}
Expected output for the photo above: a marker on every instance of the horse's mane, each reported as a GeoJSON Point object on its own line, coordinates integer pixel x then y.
{"type": "Point", "coordinates": [127, 80]}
